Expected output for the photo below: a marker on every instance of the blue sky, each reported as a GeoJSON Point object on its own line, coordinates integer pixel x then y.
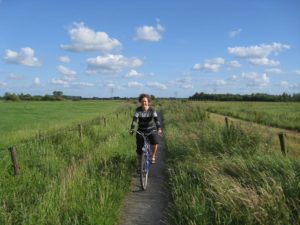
{"type": "Point", "coordinates": [165, 48]}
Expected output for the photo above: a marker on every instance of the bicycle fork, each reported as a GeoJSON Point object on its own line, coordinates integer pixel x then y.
{"type": "Point", "coordinates": [146, 150]}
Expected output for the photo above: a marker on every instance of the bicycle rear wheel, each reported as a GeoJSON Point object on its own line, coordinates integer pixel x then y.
{"type": "Point", "coordinates": [144, 171]}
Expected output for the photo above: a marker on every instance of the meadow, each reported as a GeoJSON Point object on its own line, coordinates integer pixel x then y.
{"type": "Point", "coordinates": [227, 175]}
{"type": "Point", "coordinates": [217, 174]}
{"type": "Point", "coordinates": [23, 120]}
{"type": "Point", "coordinates": [68, 179]}
{"type": "Point", "coordinates": [278, 114]}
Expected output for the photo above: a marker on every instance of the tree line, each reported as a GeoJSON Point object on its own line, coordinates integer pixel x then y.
{"type": "Point", "coordinates": [59, 96]}
{"type": "Point", "coordinates": [284, 97]}
{"type": "Point", "coordinates": [56, 96]}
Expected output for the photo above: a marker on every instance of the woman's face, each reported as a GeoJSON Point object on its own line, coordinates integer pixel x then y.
{"type": "Point", "coordinates": [145, 102]}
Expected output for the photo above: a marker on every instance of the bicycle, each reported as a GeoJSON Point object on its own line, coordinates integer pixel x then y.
{"type": "Point", "coordinates": [145, 159]}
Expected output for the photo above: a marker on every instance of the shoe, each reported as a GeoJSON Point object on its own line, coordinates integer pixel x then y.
{"type": "Point", "coordinates": [153, 161]}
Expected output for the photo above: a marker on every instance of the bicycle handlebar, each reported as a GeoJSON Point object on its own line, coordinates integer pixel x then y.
{"type": "Point", "coordinates": [144, 134]}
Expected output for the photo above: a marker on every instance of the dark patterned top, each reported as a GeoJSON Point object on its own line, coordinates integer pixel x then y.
{"type": "Point", "coordinates": [147, 120]}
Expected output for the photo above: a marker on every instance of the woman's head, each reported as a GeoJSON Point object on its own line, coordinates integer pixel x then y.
{"type": "Point", "coordinates": [144, 100]}
{"type": "Point", "coordinates": [142, 96]}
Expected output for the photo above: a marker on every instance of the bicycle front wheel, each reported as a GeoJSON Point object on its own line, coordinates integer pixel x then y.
{"type": "Point", "coordinates": [144, 171]}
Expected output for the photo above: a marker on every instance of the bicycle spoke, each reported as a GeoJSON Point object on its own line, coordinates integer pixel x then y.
{"type": "Point", "coordinates": [144, 172]}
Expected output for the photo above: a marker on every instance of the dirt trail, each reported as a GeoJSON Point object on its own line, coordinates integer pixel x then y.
{"type": "Point", "coordinates": [147, 207]}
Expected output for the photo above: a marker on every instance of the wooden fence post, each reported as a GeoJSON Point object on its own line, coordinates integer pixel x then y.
{"type": "Point", "coordinates": [282, 143]}
{"type": "Point", "coordinates": [38, 135]}
{"type": "Point", "coordinates": [80, 130]}
{"type": "Point", "coordinates": [104, 121]}
{"type": "Point", "coordinates": [226, 122]}
{"type": "Point", "coordinates": [13, 153]}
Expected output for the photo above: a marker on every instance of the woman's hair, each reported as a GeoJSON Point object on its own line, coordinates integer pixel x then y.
{"type": "Point", "coordinates": [144, 96]}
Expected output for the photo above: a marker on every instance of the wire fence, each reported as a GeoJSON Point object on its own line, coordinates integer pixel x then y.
{"type": "Point", "coordinates": [48, 135]}
{"type": "Point", "coordinates": [40, 136]}
{"type": "Point", "coordinates": [281, 136]}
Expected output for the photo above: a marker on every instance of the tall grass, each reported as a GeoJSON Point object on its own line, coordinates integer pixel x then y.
{"type": "Point", "coordinates": [226, 175]}
{"type": "Point", "coordinates": [278, 114]}
{"type": "Point", "coordinates": [70, 180]}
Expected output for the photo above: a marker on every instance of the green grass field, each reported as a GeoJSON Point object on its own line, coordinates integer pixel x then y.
{"type": "Point", "coordinates": [217, 174]}
{"type": "Point", "coordinates": [23, 120]}
{"type": "Point", "coordinates": [279, 114]}
{"type": "Point", "coordinates": [65, 179]}
{"type": "Point", "coordinates": [220, 175]}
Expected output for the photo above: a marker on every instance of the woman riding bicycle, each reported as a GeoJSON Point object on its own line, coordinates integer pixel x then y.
{"type": "Point", "coordinates": [147, 120]}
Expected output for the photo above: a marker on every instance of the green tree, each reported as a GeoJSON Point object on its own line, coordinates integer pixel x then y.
{"type": "Point", "coordinates": [11, 97]}
{"type": "Point", "coordinates": [58, 95]}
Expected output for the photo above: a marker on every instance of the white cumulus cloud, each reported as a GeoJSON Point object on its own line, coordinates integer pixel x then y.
{"type": "Point", "coordinates": [184, 82]}
{"type": "Point", "coordinates": [157, 85]}
{"type": "Point", "coordinates": [37, 81]}
{"type": "Point", "coordinates": [84, 39]}
{"type": "Point", "coordinates": [135, 84]}
{"type": "Point", "coordinates": [83, 84]}
{"type": "Point", "coordinates": [254, 79]}
{"type": "Point", "coordinates": [111, 63]}
{"type": "Point", "coordinates": [264, 62]}
{"type": "Point", "coordinates": [133, 74]}
{"type": "Point", "coordinates": [273, 70]}
{"type": "Point", "coordinates": [59, 82]}
{"type": "Point", "coordinates": [187, 86]}
{"type": "Point", "coordinates": [284, 84]}
{"type": "Point", "coordinates": [213, 65]}
{"type": "Point", "coordinates": [110, 85]}
{"type": "Point", "coordinates": [234, 64]}
{"type": "Point", "coordinates": [219, 82]}
{"type": "Point", "coordinates": [67, 73]}
{"type": "Point", "coordinates": [295, 87]}
{"type": "Point", "coordinates": [149, 33]}
{"type": "Point", "coordinates": [2, 84]}
{"type": "Point", "coordinates": [197, 66]}
{"type": "Point", "coordinates": [259, 54]}
{"type": "Point", "coordinates": [14, 76]}
{"type": "Point", "coordinates": [64, 59]}
{"type": "Point", "coordinates": [234, 33]}
{"type": "Point", "coordinates": [24, 57]}
{"type": "Point", "coordinates": [257, 51]}
{"type": "Point", "coordinates": [210, 65]}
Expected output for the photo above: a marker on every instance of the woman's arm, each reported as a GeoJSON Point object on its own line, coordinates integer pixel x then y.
{"type": "Point", "coordinates": [157, 123]}
{"type": "Point", "coordinates": [134, 120]}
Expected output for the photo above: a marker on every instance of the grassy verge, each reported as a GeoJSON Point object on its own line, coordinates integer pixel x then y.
{"type": "Point", "coordinates": [68, 180]}
{"type": "Point", "coordinates": [222, 175]}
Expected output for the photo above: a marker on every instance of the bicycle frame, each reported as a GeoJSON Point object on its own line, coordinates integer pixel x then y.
{"type": "Point", "coordinates": [145, 159]}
